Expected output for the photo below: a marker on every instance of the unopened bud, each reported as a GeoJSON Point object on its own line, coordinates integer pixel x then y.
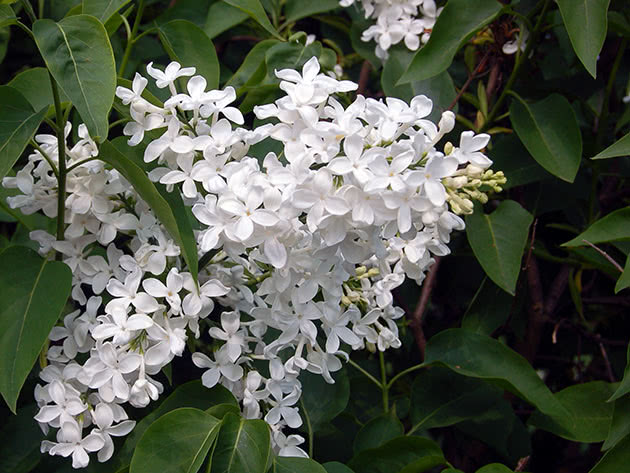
{"type": "Point", "coordinates": [373, 272]}
{"type": "Point", "coordinates": [345, 300]}
{"type": "Point", "coordinates": [447, 122]}
{"type": "Point", "coordinates": [361, 270]}
{"type": "Point", "coordinates": [448, 148]}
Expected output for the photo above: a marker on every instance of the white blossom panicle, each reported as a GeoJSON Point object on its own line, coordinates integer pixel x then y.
{"type": "Point", "coordinates": [409, 21]}
{"type": "Point", "coordinates": [302, 250]}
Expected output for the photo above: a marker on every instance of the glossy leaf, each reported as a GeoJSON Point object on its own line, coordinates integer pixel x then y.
{"type": "Point", "coordinates": [21, 438]}
{"type": "Point", "coordinates": [298, 9]}
{"type": "Point", "coordinates": [253, 69]}
{"type": "Point", "coordinates": [510, 156]}
{"type": "Point", "coordinates": [242, 446]}
{"type": "Point", "coordinates": [189, 45]}
{"type": "Point", "coordinates": [336, 467]}
{"type": "Point", "coordinates": [78, 54]}
{"type": "Point", "coordinates": [440, 398]}
{"type": "Point", "coordinates": [164, 210]}
{"type": "Point", "coordinates": [289, 56]}
{"type": "Point", "coordinates": [620, 424]}
{"type": "Point", "coordinates": [255, 10]}
{"type": "Point", "coordinates": [221, 17]}
{"type": "Point", "coordinates": [615, 460]}
{"type": "Point", "coordinates": [34, 85]}
{"type": "Point", "coordinates": [457, 23]}
{"type": "Point", "coordinates": [177, 442]}
{"type": "Point", "coordinates": [586, 22]}
{"type": "Point", "coordinates": [7, 15]}
{"type": "Point", "coordinates": [33, 291]}
{"type": "Point", "coordinates": [498, 241]}
{"type": "Point", "coordinates": [494, 468]}
{"type": "Point", "coordinates": [18, 124]}
{"type": "Point", "coordinates": [402, 454]}
{"type": "Point", "coordinates": [617, 149]}
{"type": "Point", "coordinates": [590, 413]}
{"type": "Point", "coordinates": [378, 431]}
{"type": "Point", "coordinates": [488, 310]}
{"type": "Point", "coordinates": [103, 9]}
{"type": "Point", "coordinates": [294, 465]}
{"type": "Point", "coordinates": [550, 132]}
{"type": "Point", "coordinates": [624, 386]}
{"type": "Point", "coordinates": [323, 401]}
{"type": "Point", "coordinates": [624, 280]}
{"type": "Point", "coordinates": [479, 356]}
{"type": "Point", "coordinates": [613, 227]}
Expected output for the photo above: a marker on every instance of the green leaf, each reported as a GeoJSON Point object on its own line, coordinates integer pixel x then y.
{"type": "Point", "coordinates": [34, 84]}
{"type": "Point", "coordinates": [177, 442]}
{"type": "Point", "coordinates": [402, 454]}
{"type": "Point", "coordinates": [586, 22]}
{"type": "Point", "coordinates": [510, 156]}
{"type": "Point", "coordinates": [613, 227]}
{"type": "Point", "coordinates": [147, 95]}
{"type": "Point", "coordinates": [253, 69]}
{"type": "Point", "coordinates": [323, 401]}
{"type": "Point", "coordinates": [289, 56]}
{"type": "Point", "coordinates": [295, 10]}
{"type": "Point", "coordinates": [550, 132]}
{"type": "Point", "coordinates": [78, 54]}
{"type": "Point", "coordinates": [440, 398]}
{"type": "Point", "coordinates": [295, 465]}
{"type": "Point", "coordinates": [494, 468]}
{"type": "Point", "coordinates": [615, 460]}
{"type": "Point", "coordinates": [440, 88]}
{"type": "Point", "coordinates": [478, 356]}
{"type": "Point", "coordinates": [19, 450]}
{"type": "Point", "coordinates": [624, 386]}
{"type": "Point", "coordinates": [243, 446]}
{"type": "Point", "coordinates": [168, 210]}
{"type": "Point", "coordinates": [498, 241]}
{"type": "Point", "coordinates": [103, 9]}
{"type": "Point", "coordinates": [620, 424]}
{"type": "Point", "coordinates": [624, 280]}
{"type": "Point", "coordinates": [255, 10]}
{"type": "Point", "coordinates": [221, 17]}
{"type": "Point", "coordinates": [378, 431]}
{"type": "Point", "coordinates": [18, 124]}
{"type": "Point", "coordinates": [336, 467]}
{"type": "Point", "coordinates": [33, 292]}
{"type": "Point", "coordinates": [188, 44]}
{"type": "Point", "coordinates": [457, 23]}
{"type": "Point", "coordinates": [488, 310]}
{"type": "Point", "coordinates": [220, 410]}
{"type": "Point", "coordinates": [590, 413]}
{"type": "Point", "coordinates": [615, 150]}
{"type": "Point", "coordinates": [7, 16]}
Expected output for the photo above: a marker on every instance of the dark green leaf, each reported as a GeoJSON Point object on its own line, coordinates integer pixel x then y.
{"type": "Point", "coordinates": [253, 69]}
{"type": "Point", "coordinates": [550, 132]}
{"type": "Point", "coordinates": [7, 15]}
{"type": "Point", "coordinates": [586, 22]}
{"type": "Point", "coordinates": [220, 410]}
{"type": "Point", "coordinates": [177, 442]}
{"type": "Point", "coordinates": [243, 446]}
{"type": "Point", "coordinates": [457, 23]}
{"type": "Point", "coordinates": [614, 226]}
{"type": "Point", "coordinates": [18, 124]}
{"type": "Point", "coordinates": [80, 58]}
{"type": "Point", "coordinates": [498, 241]}
{"type": "Point", "coordinates": [624, 280]}
{"type": "Point", "coordinates": [510, 156]}
{"type": "Point", "coordinates": [33, 292]}
{"type": "Point", "coordinates": [295, 465]}
{"type": "Point", "coordinates": [620, 424]}
{"type": "Point", "coordinates": [478, 356]}
{"type": "Point", "coordinates": [336, 467]}
{"type": "Point", "coordinates": [297, 9]}
{"type": "Point", "coordinates": [590, 413]}
{"type": "Point", "coordinates": [378, 431]}
{"type": "Point", "coordinates": [255, 10]}
{"type": "Point", "coordinates": [615, 150]}
{"type": "Point", "coordinates": [440, 398]}
{"type": "Point", "coordinates": [615, 460]}
{"type": "Point", "coordinates": [222, 17]}
{"type": "Point", "coordinates": [19, 450]}
{"type": "Point", "coordinates": [494, 468]}
{"type": "Point", "coordinates": [402, 454]}
{"type": "Point", "coordinates": [624, 386]}
{"type": "Point", "coordinates": [169, 216]}
{"type": "Point", "coordinates": [103, 9]}
{"type": "Point", "coordinates": [488, 310]}
{"type": "Point", "coordinates": [34, 84]}
{"type": "Point", "coordinates": [186, 43]}
{"type": "Point", "coordinates": [322, 401]}
{"type": "Point", "coordinates": [290, 56]}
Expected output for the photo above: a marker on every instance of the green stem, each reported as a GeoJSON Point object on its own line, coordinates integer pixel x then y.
{"type": "Point", "coordinates": [309, 428]}
{"type": "Point", "coordinates": [46, 157]}
{"type": "Point", "coordinates": [79, 163]}
{"type": "Point", "coordinates": [28, 8]}
{"type": "Point", "coordinates": [405, 372]}
{"type": "Point", "coordinates": [61, 149]}
{"type": "Point", "coordinates": [134, 31]}
{"type": "Point", "coordinates": [367, 375]}
{"type": "Point", "coordinates": [40, 8]}
{"type": "Point", "coordinates": [384, 385]}
{"type": "Point", "coordinates": [520, 59]}
{"type": "Point", "coordinates": [603, 116]}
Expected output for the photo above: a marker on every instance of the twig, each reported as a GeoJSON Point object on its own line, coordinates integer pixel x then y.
{"type": "Point", "coordinates": [536, 311]}
{"type": "Point", "coordinates": [605, 255]}
{"type": "Point", "coordinates": [522, 464]}
{"type": "Point", "coordinates": [471, 77]}
{"type": "Point", "coordinates": [531, 245]}
{"type": "Point", "coordinates": [416, 318]}
{"type": "Point", "coordinates": [557, 289]}
{"type": "Point", "coordinates": [611, 376]}
{"type": "Point", "coordinates": [364, 76]}
{"type": "Point", "coordinates": [621, 301]}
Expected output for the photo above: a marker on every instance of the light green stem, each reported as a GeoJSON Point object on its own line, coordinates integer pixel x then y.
{"type": "Point", "coordinates": [130, 39]}
{"type": "Point", "coordinates": [61, 176]}
{"type": "Point", "coordinates": [384, 385]}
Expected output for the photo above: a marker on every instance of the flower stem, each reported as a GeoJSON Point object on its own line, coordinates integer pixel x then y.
{"type": "Point", "coordinates": [405, 372]}
{"type": "Point", "coordinates": [384, 385]}
{"type": "Point", "coordinates": [309, 428]}
{"type": "Point", "coordinates": [130, 39]}
{"type": "Point", "coordinates": [61, 175]}
{"type": "Point", "coordinates": [368, 375]}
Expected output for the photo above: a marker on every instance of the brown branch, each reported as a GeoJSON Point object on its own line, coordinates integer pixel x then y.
{"type": "Point", "coordinates": [605, 255]}
{"type": "Point", "coordinates": [536, 311]}
{"type": "Point", "coordinates": [609, 371]}
{"type": "Point", "coordinates": [557, 289]}
{"type": "Point", "coordinates": [522, 464]}
{"type": "Point", "coordinates": [471, 77]}
{"type": "Point", "coordinates": [423, 301]}
{"type": "Point", "coordinates": [364, 76]}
